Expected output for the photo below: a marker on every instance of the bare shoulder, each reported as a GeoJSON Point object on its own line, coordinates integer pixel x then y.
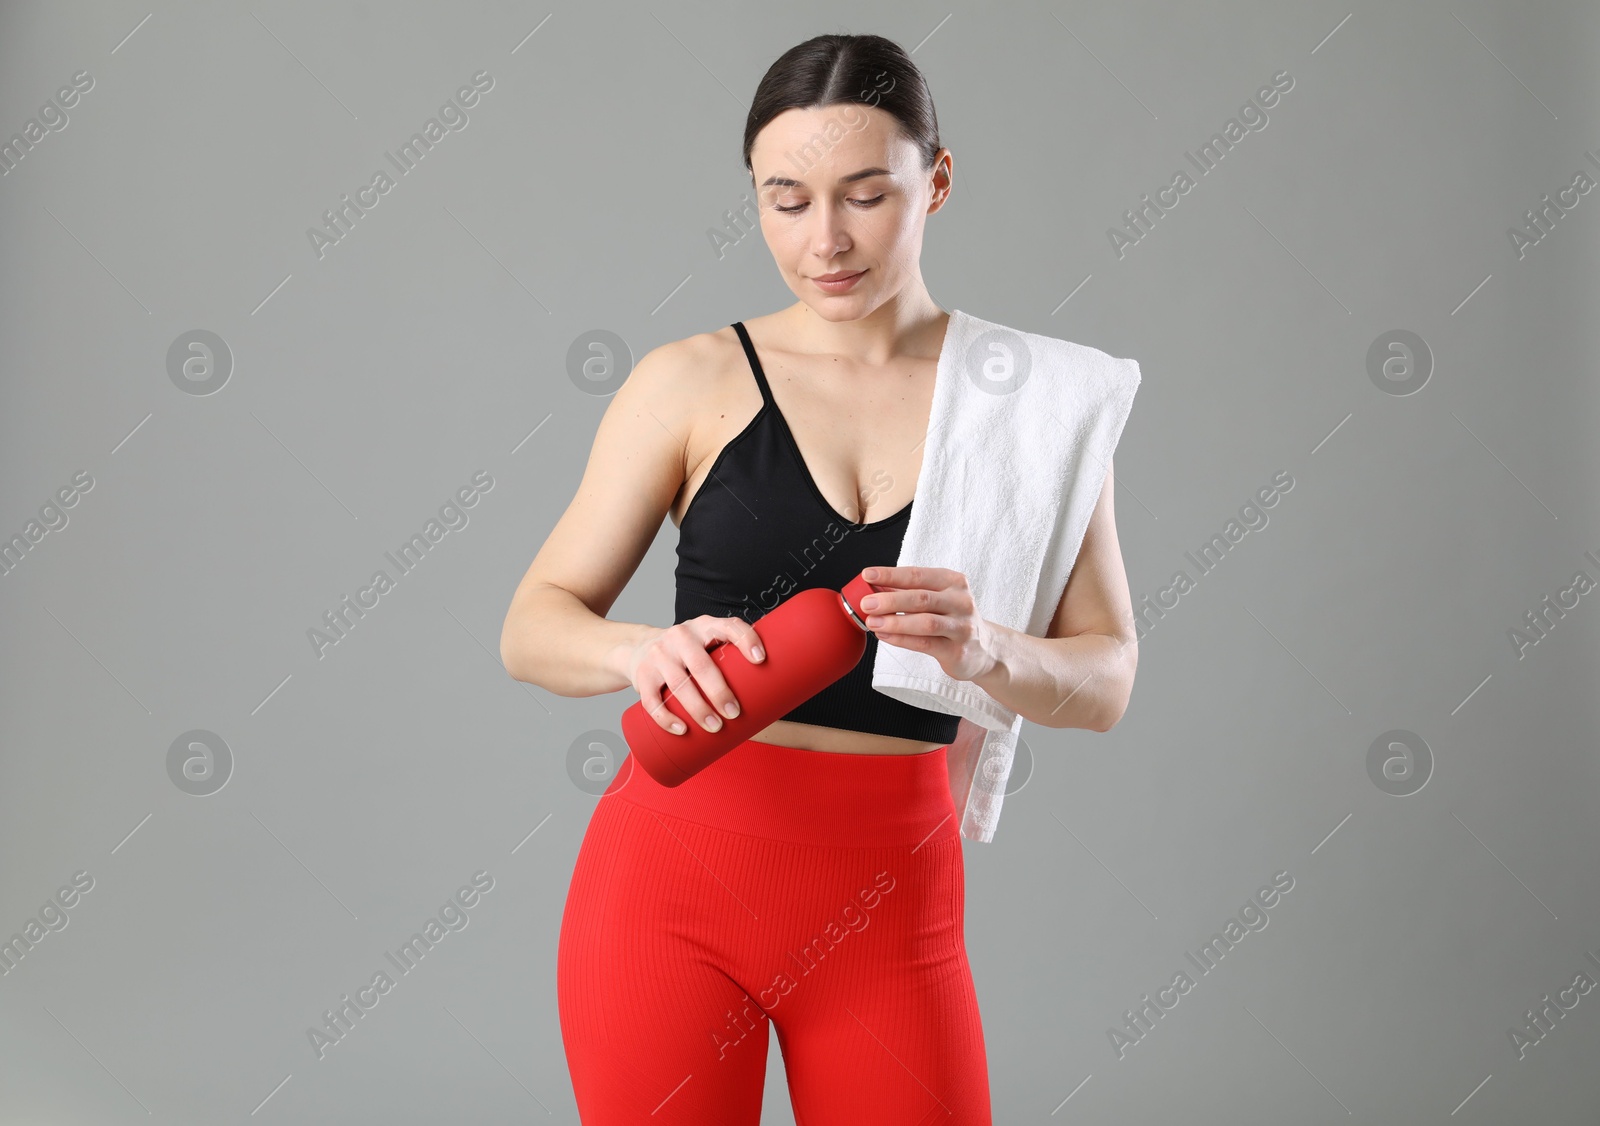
{"type": "Point", "coordinates": [681, 379]}
{"type": "Point", "coordinates": [645, 445]}
{"type": "Point", "coordinates": [699, 388]}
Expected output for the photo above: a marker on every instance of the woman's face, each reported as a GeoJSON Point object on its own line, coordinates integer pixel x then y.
{"type": "Point", "coordinates": [841, 191]}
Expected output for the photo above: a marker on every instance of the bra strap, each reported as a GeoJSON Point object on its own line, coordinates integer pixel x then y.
{"type": "Point", "coordinates": [755, 362]}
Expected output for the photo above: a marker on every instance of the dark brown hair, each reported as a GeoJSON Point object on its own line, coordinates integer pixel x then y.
{"type": "Point", "coordinates": [832, 70]}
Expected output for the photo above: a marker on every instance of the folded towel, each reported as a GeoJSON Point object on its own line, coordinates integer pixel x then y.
{"type": "Point", "coordinates": [1019, 440]}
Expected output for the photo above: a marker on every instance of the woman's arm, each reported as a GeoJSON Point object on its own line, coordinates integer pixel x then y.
{"type": "Point", "coordinates": [556, 634]}
{"type": "Point", "coordinates": [1080, 674]}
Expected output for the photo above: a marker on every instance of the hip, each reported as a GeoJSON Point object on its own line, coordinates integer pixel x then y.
{"type": "Point", "coordinates": [749, 857]}
{"type": "Point", "coordinates": [810, 797]}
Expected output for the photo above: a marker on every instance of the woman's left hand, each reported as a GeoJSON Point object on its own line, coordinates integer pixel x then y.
{"type": "Point", "coordinates": [930, 610]}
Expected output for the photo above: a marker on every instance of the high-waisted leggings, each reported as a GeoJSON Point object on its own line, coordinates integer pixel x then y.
{"type": "Point", "coordinates": [823, 892]}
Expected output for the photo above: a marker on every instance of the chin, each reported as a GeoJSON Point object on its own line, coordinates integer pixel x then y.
{"type": "Point", "coordinates": [837, 312]}
{"type": "Point", "coordinates": [846, 307]}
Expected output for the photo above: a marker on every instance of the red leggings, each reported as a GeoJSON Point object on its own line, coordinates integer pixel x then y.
{"type": "Point", "coordinates": [824, 892]}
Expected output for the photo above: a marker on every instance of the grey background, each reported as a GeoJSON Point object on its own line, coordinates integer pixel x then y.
{"type": "Point", "coordinates": [369, 385]}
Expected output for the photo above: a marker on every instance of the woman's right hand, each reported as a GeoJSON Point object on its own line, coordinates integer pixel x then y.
{"type": "Point", "coordinates": [676, 659]}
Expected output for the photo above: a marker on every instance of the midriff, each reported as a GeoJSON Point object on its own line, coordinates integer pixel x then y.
{"type": "Point", "coordinates": [810, 737]}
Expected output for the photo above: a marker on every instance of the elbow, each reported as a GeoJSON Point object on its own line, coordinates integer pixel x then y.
{"type": "Point", "coordinates": [1109, 715]}
{"type": "Point", "coordinates": [1110, 707]}
{"type": "Point", "coordinates": [520, 653]}
{"type": "Point", "coordinates": [510, 659]}
{"type": "Point", "coordinates": [513, 656]}
{"type": "Point", "coordinates": [1114, 703]}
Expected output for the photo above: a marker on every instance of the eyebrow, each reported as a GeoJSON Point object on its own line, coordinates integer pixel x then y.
{"type": "Point", "coordinates": [787, 182]}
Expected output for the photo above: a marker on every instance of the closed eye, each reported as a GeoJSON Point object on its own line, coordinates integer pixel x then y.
{"type": "Point", "coordinates": [862, 203]}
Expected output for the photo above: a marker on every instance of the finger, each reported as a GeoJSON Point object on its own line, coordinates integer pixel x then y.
{"type": "Point", "coordinates": [687, 693]}
{"type": "Point", "coordinates": [919, 624]}
{"type": "Point", "coordinates": [739, 632]}
{"type": "Point", "coordinates": [934, 578]}
{"type": "Point", "coordinates": [882, 602]}
{"type": "Point", "coordinates": [750, 641]}
{"type": "Point", "coordinates": [927, 578]}
{"type": "Point", "coordinates": [714, 686]}
{"type": "Point", "coordinates": [911, 600]}
{"type": "Point", "coordinates": [650, 697]}
{"type": "Point", "coordinates": [700, 670]}
{"type": "Point", "coordinates": [927, 640]}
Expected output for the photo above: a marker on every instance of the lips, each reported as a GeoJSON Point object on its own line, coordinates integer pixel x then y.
{"type": "Point", "coordinates": [840, 276]}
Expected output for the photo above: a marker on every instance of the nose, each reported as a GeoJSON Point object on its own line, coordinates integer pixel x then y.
{"type": "Point", "coordinates": [829, 238]}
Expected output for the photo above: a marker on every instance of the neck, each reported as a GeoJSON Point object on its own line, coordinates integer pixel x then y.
{"type": "Point", "coordinates": [910, 325]}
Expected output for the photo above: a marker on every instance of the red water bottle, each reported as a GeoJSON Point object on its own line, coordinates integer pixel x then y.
{"type": "Point", "coordinates": [811, 639]}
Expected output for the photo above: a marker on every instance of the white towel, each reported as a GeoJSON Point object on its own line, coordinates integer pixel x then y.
{"type": "Point", "coordinates": [1019, 439]}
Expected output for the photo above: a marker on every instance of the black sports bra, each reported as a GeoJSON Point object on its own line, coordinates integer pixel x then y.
{"type": "Point", "coordinates": [758, 530]}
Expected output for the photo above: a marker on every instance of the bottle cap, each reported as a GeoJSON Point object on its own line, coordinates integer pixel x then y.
{"type": "Point", "coordinates": [854, 591]}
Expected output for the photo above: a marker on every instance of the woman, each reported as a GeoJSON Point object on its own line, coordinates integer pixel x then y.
{"type": "Point", "coordinates": [813, 876]}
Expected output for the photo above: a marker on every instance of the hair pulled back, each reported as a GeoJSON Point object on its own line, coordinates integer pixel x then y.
{"type": "Point", "coordinates": [831, 70]}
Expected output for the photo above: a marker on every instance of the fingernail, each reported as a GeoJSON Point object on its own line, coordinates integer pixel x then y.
{"type": "Point", "coordinates": [677, 728]}
{"type": "Point", "coordinates": [713, 723]}
{"type": "Point", "coordinates": [731, 709]}
{"type": "Point", "coordinates": [760, 654]}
